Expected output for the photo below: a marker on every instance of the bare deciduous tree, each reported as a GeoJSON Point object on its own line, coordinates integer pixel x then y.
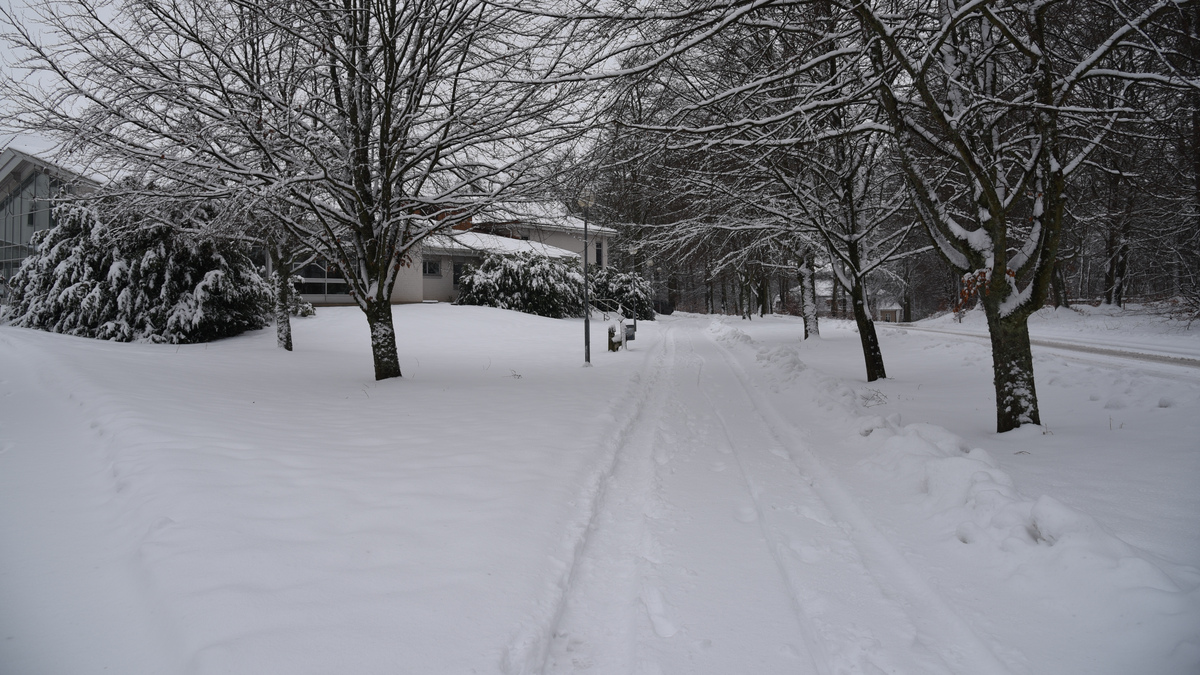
{"type": "Point", "coordinates": [360, 127]}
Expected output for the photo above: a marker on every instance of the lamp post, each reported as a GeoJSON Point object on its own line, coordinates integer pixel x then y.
{"type": "Point", "coordinates": [586, 200]}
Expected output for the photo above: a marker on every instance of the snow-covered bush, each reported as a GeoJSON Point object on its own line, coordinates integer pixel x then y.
{"type": "Point", "coordinates": [613, 290]}
{"type": "Point", "coordinates": [296, 304]}
{"type": "Point", "coordinates": [526, 282]}
{"type": "Point", "coordinates": [152, 283]}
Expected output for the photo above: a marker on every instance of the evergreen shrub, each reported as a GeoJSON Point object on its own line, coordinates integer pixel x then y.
{"type": "Point", "coordinates": [152, 283]}
{"type": "Point", "coordinates": [614, 291]}
{"type": "Point", "coordinates": [526, 282]}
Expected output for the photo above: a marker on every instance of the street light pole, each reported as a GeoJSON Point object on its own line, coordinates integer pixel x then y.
{"type": "Point", "coordinates": [586, 201]}
{"type": "Point", "coordinates": [587, 308]}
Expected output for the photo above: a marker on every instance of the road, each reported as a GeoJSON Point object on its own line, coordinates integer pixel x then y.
{"type": "Point", "coordinates": [1098, 349]}
{"type": "Point", "coordinates": [719, 543]}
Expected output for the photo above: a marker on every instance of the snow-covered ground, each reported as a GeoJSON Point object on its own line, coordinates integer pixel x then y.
{"type": "Point", "coordinates": [724, 498]}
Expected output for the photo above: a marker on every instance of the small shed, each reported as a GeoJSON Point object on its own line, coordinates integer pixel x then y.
{"type": "Point", "coordinates": [889, 312]}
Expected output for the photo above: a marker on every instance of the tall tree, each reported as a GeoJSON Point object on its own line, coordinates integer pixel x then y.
{"type": "Point", "coordinates": [991, 108]}
{"type": "Point", "coordinates": [361, 126]}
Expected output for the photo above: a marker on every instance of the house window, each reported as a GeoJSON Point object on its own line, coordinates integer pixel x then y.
{"type": "Point", "coordinates": [599, 253]}
{"type": "Point", "coordinates": [321, 278]}
{"type": "Point", "coordinates": [458, 271]}
{"type": "Point", "coordinates": [431, 268]}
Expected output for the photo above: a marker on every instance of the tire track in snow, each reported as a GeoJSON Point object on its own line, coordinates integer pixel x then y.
{"type": "Point", "coordinates": [939, 629]}
{"type": "Point", "coordinates": [618, 485]}
{"type": "Point", "coordinates": [817, 649]}
{"type": "Point", "coordinates": [845, 620]}
{"type": "Point", "coordinates": [713, 596]}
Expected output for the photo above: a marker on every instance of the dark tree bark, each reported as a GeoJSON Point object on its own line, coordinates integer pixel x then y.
{"type": "Point", "coordinates": [872, 354]}
{"type": "Point", "coordinates": [808, 297]}
{"type": "Point", "coordinates": [383, 339]}
{"type": "Point", "coordinates": [281, 283]}
{"type": "Point", "coordinates": [1012, 370]}
{"type": "Point", "coordinates": [1059, 287]}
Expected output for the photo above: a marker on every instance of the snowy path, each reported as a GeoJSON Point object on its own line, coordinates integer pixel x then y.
{"type": "Point", "coordinates": [721, 545]}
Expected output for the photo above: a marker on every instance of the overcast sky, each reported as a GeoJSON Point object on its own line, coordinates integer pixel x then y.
{"type": "Point", "coordinates": [28, 142]}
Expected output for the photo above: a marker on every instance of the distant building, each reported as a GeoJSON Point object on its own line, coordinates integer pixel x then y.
{"type": "Point", "coordinates": [889, 312]}
{"type": "Point", "coordinates": [28, 185]}
{"type": "Point", "coordinates": [503, 228]}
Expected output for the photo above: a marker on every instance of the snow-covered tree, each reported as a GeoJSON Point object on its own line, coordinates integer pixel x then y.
{"type": "Point", "coordinates": [992, 111]}
{"type": "Point", "coordinates": [613, 290]}
{"type": "Point", "coordinates": [526, 282]}
{"type": "Point", "coordinates": [990, 107]}
{"type": "Point", "coordinates": [362, 127]}
{"type": "Point", "coordinates": [154, 283]}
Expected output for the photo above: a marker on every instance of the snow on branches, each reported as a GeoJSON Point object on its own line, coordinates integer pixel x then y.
{"type": "Point", "coordinates": [152, 283]}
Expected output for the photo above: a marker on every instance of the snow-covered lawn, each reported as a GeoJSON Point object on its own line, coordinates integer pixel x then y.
{"type": "Point", "coordinates": [724, 498]}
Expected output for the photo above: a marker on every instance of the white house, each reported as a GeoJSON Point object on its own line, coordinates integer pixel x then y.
{"type": "Point", "coordinates": [28, 185]}
{"type": "Point", "coordinates": [505, 228]}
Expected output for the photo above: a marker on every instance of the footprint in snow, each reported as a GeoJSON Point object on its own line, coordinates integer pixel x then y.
{"type": "Point", "coordinates": [656, 609]}
{"type": "Point", "coordinates": [746, 514]}
{"type": "Point", "coordinates": [807, 554]}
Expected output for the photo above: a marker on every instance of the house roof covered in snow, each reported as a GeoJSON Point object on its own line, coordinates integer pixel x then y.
{"type": "Point", "coordinates": [550, 216]}
{"type": "Point", "coordinates": [469, 243]}
{"type": "Point", "coordinates": [16, 164]}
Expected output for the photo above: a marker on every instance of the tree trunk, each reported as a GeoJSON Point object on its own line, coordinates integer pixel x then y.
{"type": "Point", "coordinates": [808, 298]}
{"type": "Point", "coordinates": [764, 295]}
{"type": "Point", "coordinates": [281, 284]}
{"type": "Point", "coordinates": [1121, 266]}
{"type": "Point", "coordinates": [1110, 263]}
{"type": "Point", "coordinates": [283, 309]}
{"type": "Point", "coordinates": [1012, 369]}
{"type": "Point", "coordinates": [708, 295]}
{"type": "Point", "coordinates": [724, 296]}
{"type": "Point", "coordinates": [1058, 286]}
{"type": "Point", "coordinates": [383, 339]}
{"type": "Point", "coordinates": [866, 333]}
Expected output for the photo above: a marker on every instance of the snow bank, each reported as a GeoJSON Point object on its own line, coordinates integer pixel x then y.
{"type": "Point", "coordinates": [1035, 570]}
{"type": "Point", "coordinates": [1042, 550]}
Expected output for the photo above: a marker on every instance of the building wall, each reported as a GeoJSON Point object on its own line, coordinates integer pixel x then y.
{"type": "Point", "coordinates": [413, 285]}
{"type": "Point", "coordinates": [320, 280]}
{"type": "Point", "coordinates": [24, 209]}
{"type": "Point", "coordinates": [438, 284]}
{"type": "Point", "coordinates": [574, 243]}
{"type": "Point", "coordinates": [409, 284]}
